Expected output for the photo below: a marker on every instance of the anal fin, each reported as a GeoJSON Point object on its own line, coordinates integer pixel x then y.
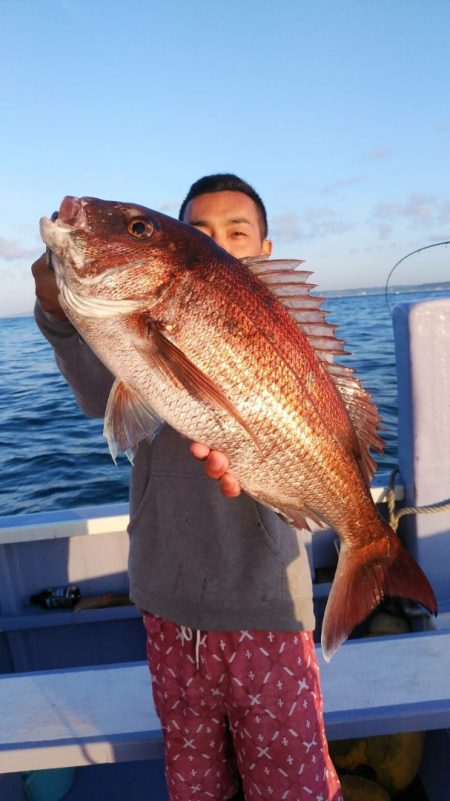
{"type": "Point", "coordinates": [300, 517]}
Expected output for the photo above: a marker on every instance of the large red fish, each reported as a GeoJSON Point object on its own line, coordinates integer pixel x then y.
{"type": "Point", "coordinates": [237, 356]}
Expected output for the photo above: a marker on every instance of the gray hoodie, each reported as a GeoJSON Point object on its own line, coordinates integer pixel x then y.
{"type": "Point", "coordinates": [196, 558]}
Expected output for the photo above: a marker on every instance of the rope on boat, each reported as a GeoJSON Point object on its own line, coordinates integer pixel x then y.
{"type": "Point", "coordinates": [394, 517]}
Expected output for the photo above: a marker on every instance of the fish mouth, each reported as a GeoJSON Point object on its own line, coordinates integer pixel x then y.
{"type": "Point", "coordinates": [71, 216]}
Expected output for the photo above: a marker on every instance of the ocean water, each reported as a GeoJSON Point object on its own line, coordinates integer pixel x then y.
{"type": "Point", "coordinates": [52, 457]}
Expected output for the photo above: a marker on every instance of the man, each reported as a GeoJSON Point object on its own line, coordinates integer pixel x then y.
{"type": "Point", "coordinates": [225, 584]}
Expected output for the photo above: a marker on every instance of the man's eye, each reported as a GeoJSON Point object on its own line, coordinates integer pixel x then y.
{"type": "Point", "coordinates": [140, 229]}
{"type": "Point", "coordinates": [238, 234]}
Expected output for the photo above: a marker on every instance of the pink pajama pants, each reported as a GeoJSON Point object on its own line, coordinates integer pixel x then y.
{"type": "Point", "coordinates": [249, 699]}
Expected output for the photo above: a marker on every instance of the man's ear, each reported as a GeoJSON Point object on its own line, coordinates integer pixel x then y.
{"type": "Point", "coordinates": [266, 247]}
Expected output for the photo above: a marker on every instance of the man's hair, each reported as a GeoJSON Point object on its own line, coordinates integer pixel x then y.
{"type": "Point", "coordinates": [225, 182]}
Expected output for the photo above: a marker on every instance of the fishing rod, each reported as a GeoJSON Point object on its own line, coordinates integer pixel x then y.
{"type": "Point", "coordinates": [425, 247]}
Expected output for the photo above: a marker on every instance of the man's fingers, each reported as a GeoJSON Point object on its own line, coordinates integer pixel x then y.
{"type": "Point", "coordinates": [46, 288]}
{"type": "Point", "coordinates": [40, 264]}
{"type": "Point", "coordinates": [199, 451]}
{"type": "Point", "coordinates": [229, 486]}
{"type": "Point", "coordinates": [216, 464]}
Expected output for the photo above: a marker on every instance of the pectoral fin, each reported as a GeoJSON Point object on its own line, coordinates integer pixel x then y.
{"type": "Point", "coordinates": [159, 351]}
{"type": "Point", "coordinates": [128, 420]}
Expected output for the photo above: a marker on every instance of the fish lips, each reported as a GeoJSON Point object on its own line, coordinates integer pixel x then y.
{"type": "Point", "coordinates": [71, 211]}
{"type": "Point", "coordinates": [71, 217]}
{"type": "Point", "coordinates": [54, 234]}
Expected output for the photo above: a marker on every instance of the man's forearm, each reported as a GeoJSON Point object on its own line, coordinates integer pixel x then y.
{"type": "Point", "coordinates": [88, 378]}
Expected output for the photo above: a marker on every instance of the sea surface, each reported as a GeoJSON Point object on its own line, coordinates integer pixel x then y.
{"type": "Point", "coordinates": [52, 457]}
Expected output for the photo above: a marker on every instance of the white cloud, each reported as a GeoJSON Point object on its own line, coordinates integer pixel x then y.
{"type": "Point", "coordinates": [444, 212]}
{"type": "Point", "coordinates": [313, 223]}
{"type": "Point", "coordinates": [323, 221]}
{"type": "Point", "coordinates": [384, 230]}
{"type": "Point", "coordinates": [377, 154]}
{"type": "Point", "coordinates": [342, 183]}
{"type": "Point", "coordinates": [170, 207]}
{"type": "Point", "coordinates": [387, 209]}
{"type": "Point", "coordinates": [17, 295]}
{"type": "Point", "coordinates": [419, 209]}
{"type": "Point", "coordinates": [12, 251]}
{"type": "Point", "coordinates": [287, 227]}
{"type": "Point", "coordinates": [444, 236]}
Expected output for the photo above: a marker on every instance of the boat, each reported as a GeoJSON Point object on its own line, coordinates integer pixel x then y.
{"type": "Point", "coordinates": [88, 547]}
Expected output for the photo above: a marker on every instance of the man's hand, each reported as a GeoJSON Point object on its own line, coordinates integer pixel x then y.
{"type": "Point", "coordinates": [216, 466]}
{"type": "Point", "coordinates": [46, 289]}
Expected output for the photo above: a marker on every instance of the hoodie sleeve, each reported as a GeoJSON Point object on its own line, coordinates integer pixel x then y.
{"type": "Point", "coordinates": [88, 378]}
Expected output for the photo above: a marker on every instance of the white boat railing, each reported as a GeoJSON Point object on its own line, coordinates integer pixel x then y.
{"type": "Point", "coordinates": [94, 520]}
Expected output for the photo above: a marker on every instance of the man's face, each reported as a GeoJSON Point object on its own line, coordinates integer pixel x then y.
{"type": "Point", "coordinates": [232, 220]}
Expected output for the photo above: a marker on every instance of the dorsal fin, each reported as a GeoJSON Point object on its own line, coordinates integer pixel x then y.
{"type": "Point", "coordinates": [291, 288]}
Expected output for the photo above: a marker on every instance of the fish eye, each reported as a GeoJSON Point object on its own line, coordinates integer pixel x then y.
{"type": "Point", "coordinates": [141, 229]}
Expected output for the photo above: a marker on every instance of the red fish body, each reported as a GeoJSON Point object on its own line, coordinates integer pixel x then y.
{"type": "Point", "coordinates": [238, 356]}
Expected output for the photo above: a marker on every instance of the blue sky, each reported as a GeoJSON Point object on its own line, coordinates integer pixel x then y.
{"type": "Point", "coordinates": [338, 111]}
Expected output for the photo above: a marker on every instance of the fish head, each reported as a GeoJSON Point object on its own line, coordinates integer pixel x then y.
{"type": "Point", "coordinates": [116, 258]}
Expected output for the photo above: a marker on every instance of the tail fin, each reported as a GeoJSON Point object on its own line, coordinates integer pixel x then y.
{"type": "Point", "coordinates": [363, 577]}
